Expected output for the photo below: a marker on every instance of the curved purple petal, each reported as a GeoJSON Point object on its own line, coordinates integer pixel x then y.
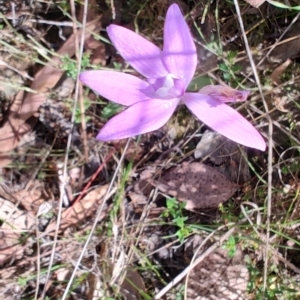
{"type": "Point", "coordinates": [179, 52]}
{"type": "Point", "coordinates": [142, 55]}
{"type": "Point", "coordinates": [224, 119]}
{"type": "Point", "coordinates": [118, 87]}
{"type": "Point", "coordinates": [139, 118]}
{"type": "Point", "coordinates": [224, 93]}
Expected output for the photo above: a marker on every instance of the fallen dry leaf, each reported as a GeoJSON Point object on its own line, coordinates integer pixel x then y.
{"type": "Point", "coordinates": [199, 185]}
{"type": "Point", "coordinates": [275, 76]}
{"type": "Point", "coordinates": [14, 222]}
{"type": "Point", "coordinates": [219, 277]}
{"type": "Point", "coordinates": [81, 210]}
{"type": "Point", "coordinates": [97, 49]}
{"type": "Point", "coordinates": [132, 285]}
{"type": "Point", "coordinates": [43, 82]}
{"type": "Point", "coordinates": [47, 77]}
{"type": "Point", "coordinates": [280, 103]}
{"type": "Point", "coordinates": [30, 199]}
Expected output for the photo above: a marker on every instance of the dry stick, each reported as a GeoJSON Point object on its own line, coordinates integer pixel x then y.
{"type": "Point", "coordinates": [113, 10]}
{"type": "Point", "coordinates": [99, 212]}
{"type": "Point", "coordinates": [270, 133]}
{"type": "Point", "coordinates": [197, 261]}
{"type": "Point", "coordinates": [55, 23]}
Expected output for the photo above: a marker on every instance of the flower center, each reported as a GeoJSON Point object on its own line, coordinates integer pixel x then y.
{"type": "Point", "coordinates": [168, 87]}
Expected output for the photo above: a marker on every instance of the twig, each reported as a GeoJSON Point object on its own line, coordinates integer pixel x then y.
{"type": "Point", "coordinates": [113, 10]}
{"type": "Point", "coordinates": [54, 23]}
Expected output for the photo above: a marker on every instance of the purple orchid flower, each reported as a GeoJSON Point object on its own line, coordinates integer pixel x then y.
{"type": "Point", "coordinates": [168, 73]}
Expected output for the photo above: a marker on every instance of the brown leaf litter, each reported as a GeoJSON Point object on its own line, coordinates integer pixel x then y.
{"type": "Point", "coordinates": [199, 185]}
{"type": "Point", "coordinates": [81, 210]}
{"type": "Point", "coordinates": [130, 287]}
{"type": "Point", "coordinates": [25, 107]}
{"type": "Point", "coordinates": [219, 277]}
{"type": "Point", "coordinates": [15, 222]}
{"type": "Point", "coordinates": [29, 198]}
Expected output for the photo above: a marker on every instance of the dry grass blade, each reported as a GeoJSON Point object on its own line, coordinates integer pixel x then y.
{"type": "Point", "coordinates": [270, 138]}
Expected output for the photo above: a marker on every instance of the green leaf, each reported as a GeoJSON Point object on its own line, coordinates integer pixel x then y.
{"type": "Point", "coordinates": [281, 5]}
{"type": "Point", "coordinates": [198, 83]}
{"type": "Point", "coordinates": [110, 110]}
{"type": "Point", "coordinates": [171, 203]}
{"type": "Point", "coordinates": [179, 222]}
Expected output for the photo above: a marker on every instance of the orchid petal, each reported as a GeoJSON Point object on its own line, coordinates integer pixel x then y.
{"type": "Point", "coordinates": [118, 87]}
{"type": "Point", "coordinates": [179, 52]}
{"type": "Point", "coordinates": [224, 93]}
{"type": "Point", "coordinates": [139, 118]}
{"type": "Point", "coordinates": [143, 56]}
{"type": "Point", "coordinates": [224, 119]}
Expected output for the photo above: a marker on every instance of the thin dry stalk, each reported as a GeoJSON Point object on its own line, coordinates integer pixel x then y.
{"type": "Point", "coordinates": [98, 214]}
{"type": "Point", "coordinates": [78, 86]}
{"type": "Point", "coordinates": [270, 134]}
{"type": "Point", "coordinates": [65, 172]}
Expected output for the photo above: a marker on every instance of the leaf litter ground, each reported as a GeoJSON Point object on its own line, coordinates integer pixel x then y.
{"type": "Point", "coordinates": [180, 212]}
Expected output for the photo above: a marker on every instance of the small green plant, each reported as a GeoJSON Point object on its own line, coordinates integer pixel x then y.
{"type": "Point", "coordinates": [228, 212]}
{"type": "Point", "coordinates": [180, 293]}
{"type": "Point", "coordinates": [85, 61]}
{"type": "Point", "coordinates": [110, 110]}
{"type": "Point", "coordinates": [278, 287]}
{"type": "Point", "coordinates": [175, 211]}
{"type": "Point", "coordinates": [64, 5]}
{"type": "Point", "coordinates": [230, 246]}
{"type": "Point", "coordinates": [117, 66]}
{"type": "Point", "coordinates": [293, 167]}
{"type": "Point", "coordinates": [229, 68]}
{"type": "Point", "coordinates": [70, 65]}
